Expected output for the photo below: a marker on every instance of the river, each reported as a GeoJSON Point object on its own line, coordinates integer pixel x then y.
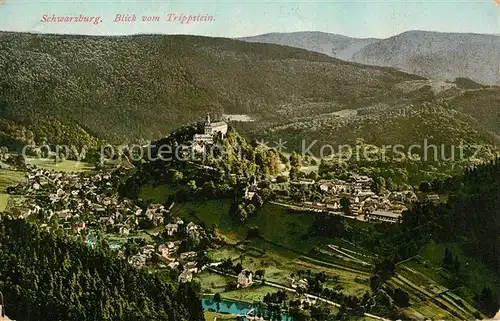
{"type": "Point", "coordinates": [232, 307]}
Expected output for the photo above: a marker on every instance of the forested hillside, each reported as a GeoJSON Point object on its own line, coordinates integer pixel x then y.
{"type": "Point", "coordinates": [470, 220]}
{"type": "Point", "coordinates": [437, 123]}
{"type": "Point", "coordinates": [436, 55]}
{"type": "Point", "coordinates": [46, 276]}
{"type": "Point", "coordinates": [80, 89]}
{"type": "Point", "coordinates": [131, 87]}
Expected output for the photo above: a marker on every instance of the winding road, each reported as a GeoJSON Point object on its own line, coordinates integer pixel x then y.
{"type": "Point", "coordinates": [290, 289]}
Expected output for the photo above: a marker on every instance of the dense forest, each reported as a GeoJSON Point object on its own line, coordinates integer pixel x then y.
{"type": "Point", "coordinates": [141, 87]}
{"type": "Point", "coordinates": [46, 276]}
{"type": "Point", "coordinates": [430, 123]}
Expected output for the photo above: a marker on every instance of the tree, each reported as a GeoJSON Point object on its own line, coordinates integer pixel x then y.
{"type": "Point", "coordinates": [294, 173]}
{"type": "Point", "coordinates": [238, 268]}
{"type": "Point", "coordinates": [281, 179]}
{"type": "Point", "coordinates": [242, 213]}
{"type": "Point", "coordinates": [294, 159]}
{"type": "Point", "coordinates": [456, 264]}
{"type": "Point", "coordinates": [253, 231]}
{"type": "Point", "coordinates": [379, 185]}
{"type": "Point", "coordinates": [250, 209]}
{"type": "Point", "coordinates": [345, 204]}
{"type": "Point", "coordinates": [425, 187]}
{"type": "Point", "coordinates": [401, 298]}
{"type": "Point", "coordinates": [487, 302]}
{"type": "Point", "coordinates": [375, 283]}
{"type": "Point", "coordinates": [448, 258]}
{"type": "Point", "coordinates": [313, 175]}
{"type": "Point", "coordinates": [217, 299]}
{"type": "Point", "coordinates": [191, 185]}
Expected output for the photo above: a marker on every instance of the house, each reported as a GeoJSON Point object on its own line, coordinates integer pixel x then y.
{"type": "Point", "coordinates": [325, 185]}
{"type": "Point", "coordinates": [185, 276]}
{"type": "Point", "coordinates": [164, 252]}
{"type": "Point", "coordinates": [302, 284]}
{"type": "Point", "coordinates": [106, 220]}
{"type": "Point", "coordinates": [64, 215]}
{"type": "Point", "coordinates": [172, 245]}
{"type": "Point", "coordinates": [364, 182]}
{"type": "Point", "coordinates": [148, 249]}
{"type": "Point", "coordinates": [191, 227]}
{"type": "Point", "coordinates": [244, 278]}
{"type": "Point", "coordinates": [333, 205]}
{"type": "Point", "coordinates": [356, 209]}
{"type": "Point", "coordinates": [431, 197]}
{"type": "Point", "coordinates": [171, 229]}
{"type": "Point", "coordinates": [303, 182]}
{"type": "Point", "coordinates": [215, 127]}
{"type": "Point", "coordinates": [98, 208]}
{"type": "Point", "coordinates": [187, 255]}
{"type": "Point", "coordinates": [166, 259]}
{"type": "Point", "coordinates": [78, 227]}
{"type": "Point", "coordinates": [124, 230]}
{"type": "Point", "coordinates": [383, 216]}
{"type": "Point", "coordinates": [138, 260]}
{"type": "Point", "coordinates": [157, 219]}
{"type": "Point", "coordinates": [250, 192]}
{"type": "Point", "coordinates": [191, 266]}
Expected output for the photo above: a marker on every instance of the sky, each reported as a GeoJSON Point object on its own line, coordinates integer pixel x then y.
{"type": "Point", "coordinates": [356, 18]}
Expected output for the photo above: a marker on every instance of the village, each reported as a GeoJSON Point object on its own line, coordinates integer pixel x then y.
{"type": "Point", "coordinates": [352, 198]}
{"type": "Point", "coordinates": [168, 237]}
{"type": "Point", "coordinates": [85, 203]}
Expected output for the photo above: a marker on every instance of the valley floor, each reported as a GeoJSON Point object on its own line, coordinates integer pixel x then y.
{"type": "Point", "coordinates": [282, 252]}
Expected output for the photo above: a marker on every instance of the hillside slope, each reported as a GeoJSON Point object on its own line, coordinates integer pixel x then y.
{"type": "Point", "coordinates": [438, 55]}
{"type": "Point", "coordinates": [435, 55]}
{"type": "Point", "coordinates": [338, 46]}
{"type": "Point", "coordinates": [132, 87]}
{"type": "Point", "coordinates": [415, 125]}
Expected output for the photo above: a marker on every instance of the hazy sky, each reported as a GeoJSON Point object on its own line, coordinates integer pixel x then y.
{"type": "Point", "coordinates": [246, 18]}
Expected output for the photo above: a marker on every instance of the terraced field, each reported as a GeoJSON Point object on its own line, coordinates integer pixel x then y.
{"type": "Point", "coordinates": [282, 251]}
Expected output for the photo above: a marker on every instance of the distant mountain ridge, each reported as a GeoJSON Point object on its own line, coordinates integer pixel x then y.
{"type": "Point", "coordinates": [338, 46]}
{"type": "Point", "coordinates": [436, 55]}
{"type": "Point", "coordinates": [128, 88]}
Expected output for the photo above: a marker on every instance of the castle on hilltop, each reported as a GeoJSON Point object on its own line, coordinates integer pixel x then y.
{"type": "Point", "coordinates": [209, 130]}
{"type": "Point", "coordinates": [212, 128]}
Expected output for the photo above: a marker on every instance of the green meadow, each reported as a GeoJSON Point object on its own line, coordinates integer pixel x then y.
{"type": "Point", "coordinates": [63, 166]}
{"type": "Point", "coordinates": [7, 178]}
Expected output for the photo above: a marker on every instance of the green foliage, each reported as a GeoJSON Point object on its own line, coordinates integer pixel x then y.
{"type": "Point", "coordinates": [144, 86]}
{"type": "Point", "coordinates": [46, 276]}
{"type": "Point", "coordinates": [421, 125]}
{"type": "Point", "coordinates": [470, 216]}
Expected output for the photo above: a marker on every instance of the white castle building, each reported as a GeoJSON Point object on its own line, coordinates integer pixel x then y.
{"type": "Point", "coordinates": [210, 129]}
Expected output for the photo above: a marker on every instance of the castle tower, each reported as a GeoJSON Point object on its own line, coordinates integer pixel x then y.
{"type": "Point", "coordinates": [208, 126]}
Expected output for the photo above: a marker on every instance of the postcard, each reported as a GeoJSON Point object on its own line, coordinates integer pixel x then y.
{"type": "Point", "coordinates": [249, 160]}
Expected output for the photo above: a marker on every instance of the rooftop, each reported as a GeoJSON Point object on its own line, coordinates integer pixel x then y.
{"type": "Point", "coordinates": [386, 214]}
